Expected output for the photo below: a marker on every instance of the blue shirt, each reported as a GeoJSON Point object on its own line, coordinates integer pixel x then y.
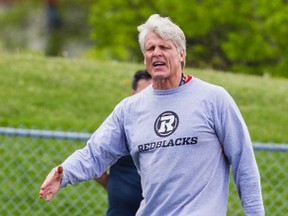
{"type": "Point", "coordinates": [124, 188]}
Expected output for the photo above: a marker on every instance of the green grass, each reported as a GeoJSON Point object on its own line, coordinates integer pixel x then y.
{"type": "Point", "coordinates": [78, 94]}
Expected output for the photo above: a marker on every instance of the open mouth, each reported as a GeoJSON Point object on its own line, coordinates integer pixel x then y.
{"type": "Point", "coordinates": [158, 63]}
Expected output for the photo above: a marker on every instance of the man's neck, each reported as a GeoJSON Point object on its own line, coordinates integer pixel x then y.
{"type": "Point", "coordinates": [168, 83]}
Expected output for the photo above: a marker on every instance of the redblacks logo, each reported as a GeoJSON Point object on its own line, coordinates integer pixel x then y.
{"type": "Point", "coordinates": [181, 141]}
{"type": "Point", "coordinates": [166, 123]}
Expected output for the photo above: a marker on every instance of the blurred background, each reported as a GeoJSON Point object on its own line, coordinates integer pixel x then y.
{"type": "Point", "coordinates": [239, 36]}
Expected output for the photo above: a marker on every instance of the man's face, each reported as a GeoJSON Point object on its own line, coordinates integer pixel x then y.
{"type": "Point", "coordinates": [162, 59]}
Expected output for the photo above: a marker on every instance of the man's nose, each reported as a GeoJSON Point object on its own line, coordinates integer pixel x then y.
{"type": "Point", "coordinates": [157, 51]}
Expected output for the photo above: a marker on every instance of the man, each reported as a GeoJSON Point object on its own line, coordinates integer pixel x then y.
{"type": "Point", "coordinates": [183, 135]}
{"type": "Point", "coordinates": [123, 181]}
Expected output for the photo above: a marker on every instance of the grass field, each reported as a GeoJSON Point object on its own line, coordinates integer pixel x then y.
{"type": "Point", "coordinates": [78, 94]}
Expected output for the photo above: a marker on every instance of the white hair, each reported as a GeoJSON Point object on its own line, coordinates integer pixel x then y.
{"type": "Point", "coordinates": [166, 29]}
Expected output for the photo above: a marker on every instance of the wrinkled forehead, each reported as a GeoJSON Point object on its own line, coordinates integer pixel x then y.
{"type": "Point", "coordinates": [152, 38]}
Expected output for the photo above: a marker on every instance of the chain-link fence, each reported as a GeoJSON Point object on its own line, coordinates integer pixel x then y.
{"type": "Point", "coordinates": [28, 155]}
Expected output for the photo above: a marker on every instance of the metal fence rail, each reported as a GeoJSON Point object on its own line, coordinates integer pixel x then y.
{"type": "Point", "coordinates": [28, 155]}
{"type": "Point", "coordinates": [48, 134]}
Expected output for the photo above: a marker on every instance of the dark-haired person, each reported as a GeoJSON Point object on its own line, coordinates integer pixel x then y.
{"type": "Point", "coordinates": [183, 133]}
{"type": "Point", "coordinates": [123, 181]}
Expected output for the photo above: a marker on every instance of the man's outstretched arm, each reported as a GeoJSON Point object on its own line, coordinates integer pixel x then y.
{"type": "Point", "coordinates": [51, 184]}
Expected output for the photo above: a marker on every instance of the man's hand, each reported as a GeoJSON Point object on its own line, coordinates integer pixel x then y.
{"type": "Point", "coordinates": [51, 184]}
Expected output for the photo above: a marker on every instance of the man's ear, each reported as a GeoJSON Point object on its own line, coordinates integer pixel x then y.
{"type": "Point", "coordinates": [182, 55]}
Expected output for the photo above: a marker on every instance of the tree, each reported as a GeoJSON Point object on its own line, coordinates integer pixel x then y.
{"type": "Point", "coordinates": [240, 36]}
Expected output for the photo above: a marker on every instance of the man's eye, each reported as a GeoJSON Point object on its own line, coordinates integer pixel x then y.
{"type": "Point", "coordinates": [164, 47]}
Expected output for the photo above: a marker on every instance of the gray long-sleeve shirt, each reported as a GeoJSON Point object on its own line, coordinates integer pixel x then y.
{"type": "Point", "coordinates": [183, 141]}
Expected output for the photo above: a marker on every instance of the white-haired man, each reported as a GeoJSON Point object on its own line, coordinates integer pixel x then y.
{"type": "Point", "coordinates": [183, 135]}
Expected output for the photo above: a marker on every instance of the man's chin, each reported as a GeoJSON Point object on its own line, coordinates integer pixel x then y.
{"type": "Point", "coordinates": [159, 75]}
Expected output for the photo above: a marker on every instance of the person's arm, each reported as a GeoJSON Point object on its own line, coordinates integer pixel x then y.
{"type": "Point", "coordinates": [103, 180]}
{"type": "Point", "coordinates": [105, 146]}
{"type": "Point", "coordinates": [235, 138]}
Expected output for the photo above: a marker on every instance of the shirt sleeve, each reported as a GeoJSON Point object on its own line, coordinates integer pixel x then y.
{"type": "Point", "coordinates": [235, 138]}
{"type": "Point", "coordinates": [105, 146]}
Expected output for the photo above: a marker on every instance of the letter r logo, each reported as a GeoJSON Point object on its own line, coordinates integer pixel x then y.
{"type": "Point", "coordinates": [166, 123]}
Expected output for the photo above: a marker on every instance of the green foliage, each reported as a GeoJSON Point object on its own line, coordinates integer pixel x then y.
{"type": "Point", "coordinates": [13, 22]}
{"type": "Point", "coordinates": [79, 94]}
{"type": "Point", "coordinates": [240, 36]}
{"type": "Point", "coordinates": [114, 29]}
{"type": "Point", "coordinates": [24, 24]}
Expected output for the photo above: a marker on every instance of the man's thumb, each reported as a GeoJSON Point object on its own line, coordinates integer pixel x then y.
{"type": "Point", "coordinates": [60, 169]}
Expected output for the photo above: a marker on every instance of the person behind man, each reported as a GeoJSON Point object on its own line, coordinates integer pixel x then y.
{"type": "Point", "coordinates": [123, 181]}
{"type": "Point", "coordinates": [183, 134]}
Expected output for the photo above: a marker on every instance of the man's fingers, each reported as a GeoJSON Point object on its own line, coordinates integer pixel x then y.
{"type": "Point", "coordinates": [47, 194]}
{"type": "Point", "coordinates": [49, 197]}
{"type": "Point", "coordinates": [42, 194]}
{"type": "Point", "coordinates": [43, 190]}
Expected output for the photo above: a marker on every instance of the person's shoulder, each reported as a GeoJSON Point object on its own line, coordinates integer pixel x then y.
{"type": "Point", "coordinates": [209, 87]}
{"type": "Point", "coordinates": [215, 94]}
{"type": "Point", "coordinates": [132, 100]}
{"type": "Point", "coordinates": [140, 95]}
